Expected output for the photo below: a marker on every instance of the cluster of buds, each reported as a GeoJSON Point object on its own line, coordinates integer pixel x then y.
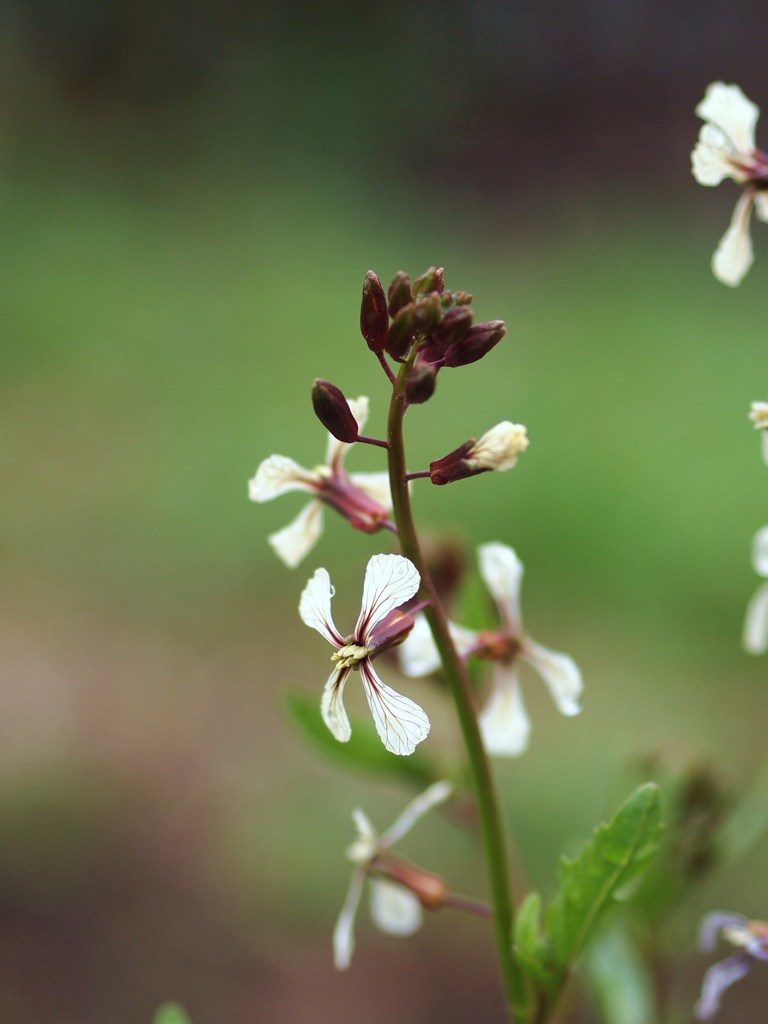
{"type": "Point", "coordinates": [422, 312]}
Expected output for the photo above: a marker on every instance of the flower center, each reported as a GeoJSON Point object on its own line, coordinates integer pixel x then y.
{"type": "Point", "coordinates": [349, 655]}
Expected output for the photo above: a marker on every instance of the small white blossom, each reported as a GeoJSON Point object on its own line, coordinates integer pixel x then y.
{"type": "Point", "coordinates": [750, 938]}
{"type": "Point", "coordinates": [503, 721]}
{"type": "Point", "coordinates": [390, 581]}
{"type": "Point", "coordinates": [755, 638]}
{"type": "Point", "coordinates": [499, 447]}
{"type": "Point", "coordinates": [726, 149]}
{"type": "Point", "coordinates": [394, 909]}
{"type": "Point", "coordinates": [758, 413]}
{"type": "Point", "coordinates": [362, 498]}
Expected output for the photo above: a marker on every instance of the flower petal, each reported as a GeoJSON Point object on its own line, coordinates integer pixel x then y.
{"type": "Point", "coordinates": [390, 581]}
{"type": "Point", "coordinates": [502, 571]}
{"type": "Point", "coordinates": [734, 255]}
{"type": "Point", "coordinates": [718, 978]}
{"type": "Point", "coordinates": [419, 655]}
{"type": "Point", "coordinates": [337, 450]}
{"type": "Point", "coordinates": [712, 158]}
{"type": "Point", "coordinates": [294, 542]}
{"type": "Point", "coordinates": [278, 475]}
{"type": "Point", "coordinates": [728, 108]}
{"type": "Point", "coordinates": [713, 923]}
{"type": "Point", "coordinates": [435, 794]}
{"type": "Point", "coordinates": [755, 637]}
{"type": "Point", "coordinates": [559, 672]}
{"type": "Point", "coordinates": [761, 206]}
{"type": "Point", "coordinates": [400, 723]}
{"type": "Point", "coordinates": [760, 552]}
{"type": "Point", "coordinates": [343, 933]}
{"type": "Point", "coordinates": [394, 909]}
{"type": "Point", "coordinates": [332, 705]}
{"type": "Point", "coordinates": [315, 607]}
{"type": "Point", "coordinates": [504, 722]}
{"type": "Point", "coordinates": [375, 485]}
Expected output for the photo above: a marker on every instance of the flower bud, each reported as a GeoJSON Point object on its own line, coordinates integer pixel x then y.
{"type": "Point", "coordinates": [429, 889]}
{"type": "Point", "coordinates": [456, 323]}
{"type": "Point", "coordinates": [462, 298]}
{"type": "Point", "coordinates": [497, 449]}
{"type": "Point", "coordinates": [401, 332]}
{"type": "Point", "coordinates": [399, 292]}
{"type": "Point", "coordinates": [374, 319]}
{"type": "Point", "coordinates": [430, 281]}
{"type": "Point", "coordinates": [475, 343]}
{"type": "Point", "coordinates": [333, 411]}
{"type": "Point", "coordinates": [420, 383]}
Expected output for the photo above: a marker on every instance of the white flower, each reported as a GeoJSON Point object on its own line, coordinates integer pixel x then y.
{"type": "Point", "coordinates": [498, 449]}
{"type": "Point", "coordinates": [503, 721]}
{"type": "Point", "coordinates": [726, 149]}
{"type": "Point", "coordinates": [390, 581]}
{"type": "Point", "coordinates": [394, 909]}
{"type": "Point", "coordinates": [362, 498]}
{"type": "Point", "coordinates": [755, 638]}
{"type": "Point", "coordinates": [758, 413]}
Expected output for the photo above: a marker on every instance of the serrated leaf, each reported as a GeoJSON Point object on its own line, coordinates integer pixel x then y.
{"type": "Point", "coordinates": [527, 937]}
{"type": "Point", "coordinates": [363, 751]}
{"type": "Point", "coordinates": [171, 1013]}
{"type": "Point", "coordinates": [616, 856]}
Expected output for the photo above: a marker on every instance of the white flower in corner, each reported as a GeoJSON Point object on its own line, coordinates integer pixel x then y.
{"type": "Point", "coordinates": [755, 637]}
{"type": "Point", "coordinates": [726, 149]}
{"type": "Point", "coordinates": [758, 413]}
{"type": "Point", "coordinates": [390, 581]}
{"type": "Point", "coordinates": [362, 498]}
{"type": "Point", "coordinates": [395, 909]}
{"type": "Point", "coordinates": [504, 721]}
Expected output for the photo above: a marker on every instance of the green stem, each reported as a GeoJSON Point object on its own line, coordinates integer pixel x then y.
{"type": "Point", "coordinates": [516, 989]}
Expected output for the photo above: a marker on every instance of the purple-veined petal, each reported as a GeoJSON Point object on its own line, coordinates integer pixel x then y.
{"type": "Point", "coordinates": [502, 571]}
{"type": "Point", "coordinates": [394, 909]}
{"type": "Point", "coordinates": [504, 722]}
{"type": "Point", "coordinates": [726, 107]}
{"type": "Point", "coordinates": [375, 485]}
{"type": "Point", "coordinates": [711, 159]}
{"type": "Point", "coordinates": [294, 542]}
{"type": "Point", "coordinates": [337, 450]}
{"type": "Point", "coordinates": [435, 794]}
{"type": "Point", "coordinates": [755, 636]}
{"type": "Point", "coordinates": [279, 475]}
{"type": "Point", "coordinates": [418, 653]}
{"type": "Point", "coordinates": [400, 723]}
{"type": "Point", "coordinates": [344, 932]}
{"type": "Point", "coordinates": [718, 978]}
{"type": "Point", "coordinates": [315, 607]}
{"type": "Point", "coordinates": [390, 581]}
{"type": "Point", "coordinates": [332, 705]}
{"type": "Point", "coordinates": [734, 254]}
{"type": "Point", "coordinates": [559, 672]}
{"type": "Point", "coordinates": [713, 923]}
{"type": "Point", "coordinates": [760, 552]}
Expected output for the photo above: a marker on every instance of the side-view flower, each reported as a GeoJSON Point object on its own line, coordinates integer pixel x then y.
{"type": "Point", "coordinates": [758, 413]}
{"type": "Point", "coordinates": [750, 938]}
{"type": "Point", "coordinates": [504, 722]}
{"type": "Point", "coordinates": [390, 581]}
{"type": "Point", "coordinates": [362, 498]}
{"type": "Point", "coordinates": [395, 909]}
{"type": "Point", "coordinates": [726, 149]}
{"type": "Point", "coordinates": [755, 638]}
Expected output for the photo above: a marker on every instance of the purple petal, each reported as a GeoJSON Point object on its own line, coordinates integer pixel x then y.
{"type": "Point", "coordinates": [718, 978]}
{"type": "Point", "coordinates": [713, 924]}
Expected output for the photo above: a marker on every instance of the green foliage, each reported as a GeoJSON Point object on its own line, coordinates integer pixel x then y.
{"type": "Point", "coordinates": [171, 1013]}
{"type": "Point", "coordinates": [618, 979]}
{"type": "Point", "coordinates": [364, 750]}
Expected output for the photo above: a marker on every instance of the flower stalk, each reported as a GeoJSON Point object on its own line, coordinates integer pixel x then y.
{"type": "Point", "coordinates": [494, 842]}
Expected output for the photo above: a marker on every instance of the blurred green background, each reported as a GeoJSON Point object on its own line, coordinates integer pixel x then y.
{"type": "Point", "coordinates": [190, 198]}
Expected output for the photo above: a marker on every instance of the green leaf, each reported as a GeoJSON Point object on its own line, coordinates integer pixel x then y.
{"type": "Point", "coordinates": [618, 979]}
{"type": "Point", "coordinates": [171, 1013]}
{"type": "Point", "coordinates": [364, 751]}
{"type": "Point", "coordinates": [610, 863]}
{"type": "Point", "coordinates": [529, 946]}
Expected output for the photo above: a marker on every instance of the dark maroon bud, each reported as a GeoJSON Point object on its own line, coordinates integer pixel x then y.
{"type": "Point", "coordinates": [429, 312]}
{"type": "Point", "coordinates": [430, 281]}
{"type": "Point", "coordinates": [420, 383]}
{"type": "Point", "coordinates": [399, 292]}
{"type": "Point", "coordinates": [401, 332]}
{"type": "Point", "coordinates": [456, 323]}
{"type": "Point", "coordinates": [476, 343]}
{"type": "Point", "coordinates": [462, 298]}
{"type": "Point", "coordinates": [374, 320]}
{"type": "Point", "coordinates": [332, 409]}
{"type": "Point", "coordinates": [453, 466]}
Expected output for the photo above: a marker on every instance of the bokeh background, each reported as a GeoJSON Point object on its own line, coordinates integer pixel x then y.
{"type": "Point", "coordinates": [190, 196]}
